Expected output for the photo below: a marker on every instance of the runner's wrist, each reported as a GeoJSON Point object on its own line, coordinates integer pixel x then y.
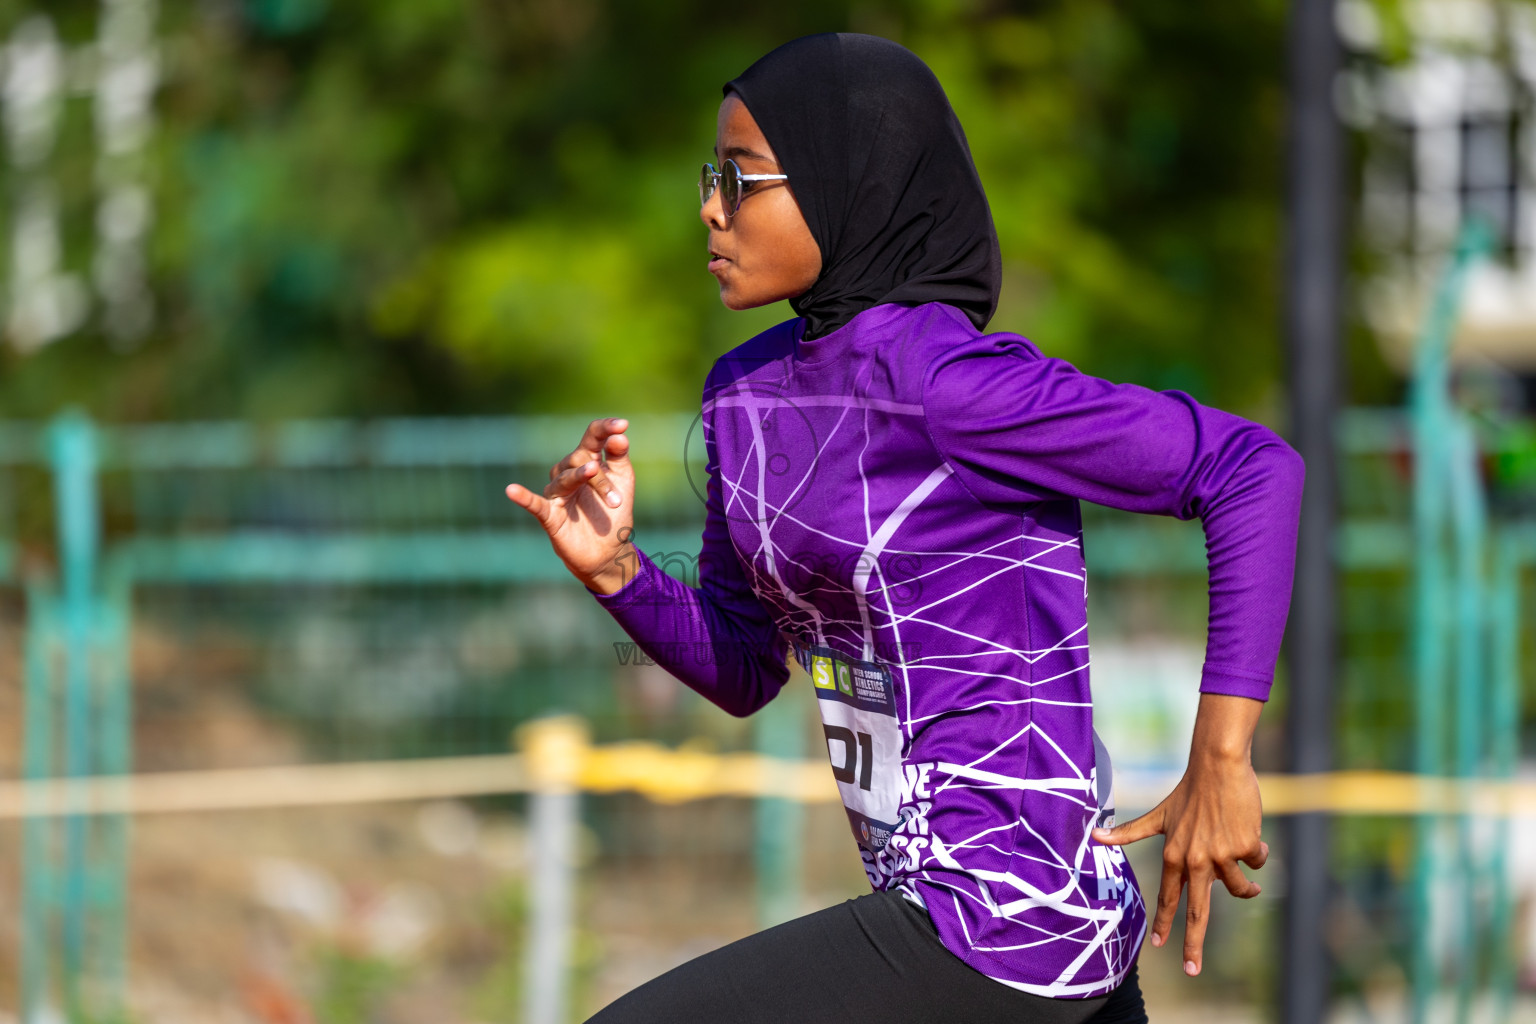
{"type": "Point", "coordinates": [614, 574]}
{"type": "Point", "coordinates": [1224, 728]}
{"type": "Point", "coordinates": [1221, 758]}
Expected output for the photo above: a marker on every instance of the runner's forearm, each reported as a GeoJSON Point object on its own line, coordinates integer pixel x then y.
{"type": "Point", "coordinates": [724, 649]}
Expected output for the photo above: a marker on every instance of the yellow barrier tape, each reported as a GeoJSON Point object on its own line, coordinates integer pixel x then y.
{"type": "Point", "coordinates": [1395, 793]}
{"type": "Point", "coordinates": [674, 776]}
{"type": "Point", "coordinates": [254, 788]}
{"type": "Point", "coordinates": [558, 757]}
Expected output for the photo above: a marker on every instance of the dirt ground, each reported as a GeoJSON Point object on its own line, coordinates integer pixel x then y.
{"type": "Point", "coordinates": [411, 912]}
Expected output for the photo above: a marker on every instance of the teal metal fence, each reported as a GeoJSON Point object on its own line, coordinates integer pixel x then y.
{"type": "Point", "coordinates": [368, 585]}
{"type": "Point", "coordinates": [390, 530]}
{"type": "Point", "coordinates": [1466, 580]}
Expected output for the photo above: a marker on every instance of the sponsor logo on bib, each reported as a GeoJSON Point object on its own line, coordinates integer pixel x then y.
{"type": "Point", "coordinates": [821, 673]}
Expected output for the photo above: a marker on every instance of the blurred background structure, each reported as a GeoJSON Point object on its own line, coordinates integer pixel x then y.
{"type": "Point", "coordinates": [293, 288]}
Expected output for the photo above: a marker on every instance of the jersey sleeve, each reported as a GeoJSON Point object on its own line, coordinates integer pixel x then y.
{"type": "Point", "coordinates": [1017, 428]}
{"type": "Point", "coordinates": [716, 637]}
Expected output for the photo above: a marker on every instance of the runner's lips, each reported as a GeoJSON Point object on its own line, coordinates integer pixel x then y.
{"type": "Point", "coordinates": [716, 261]}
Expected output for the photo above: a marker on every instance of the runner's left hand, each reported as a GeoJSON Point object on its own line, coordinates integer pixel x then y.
{"type": "Point", "coordinates": [1210, 823]}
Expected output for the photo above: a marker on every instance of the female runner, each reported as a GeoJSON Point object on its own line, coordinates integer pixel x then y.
{"type": "Point", "coordinates": [893, 498]}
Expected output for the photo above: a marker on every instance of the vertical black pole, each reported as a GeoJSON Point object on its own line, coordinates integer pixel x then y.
{"type": "Point", "coordinates": [1314, 271]}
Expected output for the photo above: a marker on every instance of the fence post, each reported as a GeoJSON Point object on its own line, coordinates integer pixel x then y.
{"type": "Point", "coordinates": [1469, 515]}
{"type": "Point", "coordinates": [39, 833]}
{"type": "Point", "coordinates": [1504, 720]}
{"type": "Point", "coordinates": [1441, 439]}
{"type": "Point", "coordinates": [73, 458]}
{"type": "Point", "coordinates": [553, 750]}
{"type": "Point", "coordinates": [109, 869]}
{"type": "Point", "coordinates": [780, 733]}
{"type": "Point", "coordinates": [1315, 228]}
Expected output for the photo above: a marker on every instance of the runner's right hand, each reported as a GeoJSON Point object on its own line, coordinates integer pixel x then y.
{"type": "Point", "coordinates": [588, 507]}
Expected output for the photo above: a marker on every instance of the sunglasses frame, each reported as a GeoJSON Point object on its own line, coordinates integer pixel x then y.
{"type": "Point", "coordinates": [716, 181]}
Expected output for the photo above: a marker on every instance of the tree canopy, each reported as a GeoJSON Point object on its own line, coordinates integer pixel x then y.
{"type": "Point", "coordinates": [387, 207]}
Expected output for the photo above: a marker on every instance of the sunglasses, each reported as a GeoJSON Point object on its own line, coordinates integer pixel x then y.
{"type": "Point", "coordinates": [730, 181]}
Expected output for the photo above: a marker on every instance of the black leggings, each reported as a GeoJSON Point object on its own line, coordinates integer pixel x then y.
{"type": "Point", "coordinates": [875, 958]}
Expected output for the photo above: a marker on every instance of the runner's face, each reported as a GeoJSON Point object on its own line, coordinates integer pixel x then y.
{"type": "Point", "coordinates": [764, 252]}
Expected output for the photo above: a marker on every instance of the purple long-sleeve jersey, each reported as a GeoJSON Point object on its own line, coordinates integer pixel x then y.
{"type": "Point", "coordinates": [897, 503]}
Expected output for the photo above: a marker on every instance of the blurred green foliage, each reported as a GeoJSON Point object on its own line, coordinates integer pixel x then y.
{"type": "Point", "coordinates": [352, 985]}
{"type": "Point", "coordinates": [438, 206]}
{"type": "Point", "coordinates": [499, 992]}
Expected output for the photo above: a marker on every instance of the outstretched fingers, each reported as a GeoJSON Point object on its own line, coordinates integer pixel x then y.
{"type": "Point", "coordinates": [1168, 891]}
{"type": "Point", "coordinates": [1197, 914]}
{"type": "Point", "coordinates": [1149, 824]}
{"type": "Point", "coordinates": [537, 504]}
{"type": "Point", "coordinates": [584, 466]}
{"type": "Point", "coordinates": [565, 482]}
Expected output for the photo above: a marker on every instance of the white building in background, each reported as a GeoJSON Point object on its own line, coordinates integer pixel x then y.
{"type": "Point", "coordinates": [127, 62]}
{"type": "Point", "coordinates": [44, 298]}
{"type": "Point", "coordinates": [45, 301]}
{"type": "Point", "coordinates": [1451, 132]}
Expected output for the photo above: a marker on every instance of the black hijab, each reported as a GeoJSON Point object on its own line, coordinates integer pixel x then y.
{"type": "Point", "coordinates": [882, 173]}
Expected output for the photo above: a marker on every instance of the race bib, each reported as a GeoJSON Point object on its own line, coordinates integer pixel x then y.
{"type": "Point", "coordinates": [857, 701]}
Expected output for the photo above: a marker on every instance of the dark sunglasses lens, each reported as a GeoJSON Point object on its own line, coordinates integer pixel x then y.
{"type": "Point", "coordinates": [706, 183]}
{"type": "Point", "coordinates": [730, 186]}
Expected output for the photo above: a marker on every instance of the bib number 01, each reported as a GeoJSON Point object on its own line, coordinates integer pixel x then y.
{"type": "Point", "coordinates": [857, 701]}
{"type": "Point", "coordinates": [858, 757]}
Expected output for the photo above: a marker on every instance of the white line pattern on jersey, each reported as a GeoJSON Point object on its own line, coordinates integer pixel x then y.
{"type": "Point", "coordinates": [824, 610]}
